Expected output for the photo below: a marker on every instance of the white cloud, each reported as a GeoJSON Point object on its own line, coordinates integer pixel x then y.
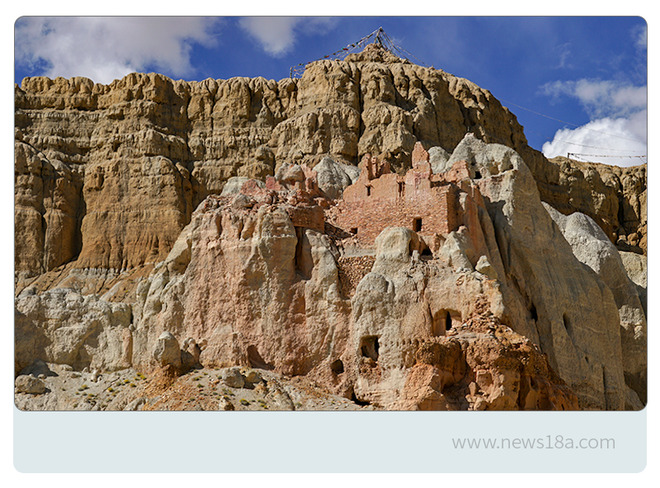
{"type": "Point", "coordinates": [105, 48]}
{"type": "Point", "coordinates": [618, 128]}
{"type": "Point", "coordinates": [607, 140]}
{"type": "Point", "coordinates": [601, 98]}
{"type": "Point", "coordinates": [640, 34]}
{"type": "Point", "coordinates": [564, 53]}
{"type": "Point", "coordinates": [277, 35]}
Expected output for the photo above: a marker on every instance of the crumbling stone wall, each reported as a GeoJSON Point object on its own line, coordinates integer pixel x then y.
{"type": "Point", "coordinates": [351, 271]}
{"type": "Point", "coordinates": [306, 216]}
{"type": "Point", "coordinates": [424, 202]}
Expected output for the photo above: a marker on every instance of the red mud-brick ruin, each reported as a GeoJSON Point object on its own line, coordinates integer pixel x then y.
{"type": "Point", "coordinates": [297, 190]}
{"type": "Point", "coordinates": [421, 201]}
{"type": "Point", "coordinates": [426, 203]}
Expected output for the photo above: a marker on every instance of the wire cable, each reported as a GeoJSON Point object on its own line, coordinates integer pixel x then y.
{"type": "Point", "coordinates": [568, 123]}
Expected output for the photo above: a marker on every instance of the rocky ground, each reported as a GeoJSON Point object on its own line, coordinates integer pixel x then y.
{"type": "Point", "coordinates": [58, 387]}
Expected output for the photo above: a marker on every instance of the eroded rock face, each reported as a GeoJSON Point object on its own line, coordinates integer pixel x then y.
{"type": "Point", "coordinates": [245, 290]}
{"type": "Point", "coordinates": [46, 214]}
{"type": "Point", "coordinates": [402, 311]}
{"type": "Point", "coordinates": [616, 198]}
{"type": "Point", "coordinates": [367, 348]}
{"type": "Point", "coordinates": [64, 327]}
{"type": "Point", "coordinates": [546, 276]}
{"type": "Point", "coordinates": [108, 175]}
{"type": "Point", "coordinates": [591, 246]}
{"type": "Point", "coordinates": [489, 368]}
{"type": "Point", "coordinates": [158, 195]}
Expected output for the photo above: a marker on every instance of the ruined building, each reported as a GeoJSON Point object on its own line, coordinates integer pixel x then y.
{"type": "Point", "coordinates": [421, 201]}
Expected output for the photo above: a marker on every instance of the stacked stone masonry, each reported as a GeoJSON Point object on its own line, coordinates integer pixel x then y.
{"type": "Point", "coordinates": [424, 202]}
{"type": "Point", "coordinates": [351, 271]}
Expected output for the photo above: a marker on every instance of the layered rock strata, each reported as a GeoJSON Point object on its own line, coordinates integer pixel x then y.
{"type": "Point", "coordinates": [108, 175]}
{"type": "Point", "coordinates": [170, 226]}
{"type": "Point", "coordinates": [479, 316]}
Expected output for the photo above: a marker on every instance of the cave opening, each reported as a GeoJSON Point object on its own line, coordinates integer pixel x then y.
{"type": "Point", "coordinates": [337, 366]}
{"type": "Point", "coordinates": [568, 325]}
{"type": "Point", "coordinates": [532, 311]}
{"type": "Point", "coordinates": [369, 347]}
{"type": "Point", "coordinates": [362, 403]}
{"type": "Point", "coordinates": [256, 361]}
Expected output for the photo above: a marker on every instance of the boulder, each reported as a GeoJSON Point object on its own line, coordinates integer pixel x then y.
{"type": "Point", "coordinates": [234, 184]}
{"type": "Point", "coordinates": [333, 178]}
{"type": "Point", "coordinates": [167, 351]}
{"type": "Point", "coordinates": [233, 378]}
{"type": "Point", "coordinates": [29, 384]}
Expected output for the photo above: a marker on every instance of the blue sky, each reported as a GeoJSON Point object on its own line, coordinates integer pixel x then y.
{"type": "Point", "coordinates": [576, 84]}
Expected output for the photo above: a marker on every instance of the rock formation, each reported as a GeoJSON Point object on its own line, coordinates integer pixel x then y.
{"type": "Point", "coordinates": [591, 247]}
{"type": "Point", "coordinates": [166, 227]}
{"type": "Point", "coordinates": [64, 327]}
{"type": "Point", "coordinates": [86, 151]}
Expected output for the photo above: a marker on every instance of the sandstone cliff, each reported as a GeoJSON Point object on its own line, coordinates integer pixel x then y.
{"type": "Point", "coordinates": [150, 234]}
{"type": "Point", "coordinates": [108, 175]}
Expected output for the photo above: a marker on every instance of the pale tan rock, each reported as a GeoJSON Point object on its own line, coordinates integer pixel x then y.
{"type": "Point", "coordinates": [484, 267]}
{"type": "Point", "coordinates": [591, 247]}
{"type": "Point", "coordinates": [29, 384]}
{"type": "Point", "coordinates": [537, 257]}
{"type": "Point", "coordinates": [167, 351]}
{"type": "Point", "coordinates": [333, 178]}
{"type": "Point", "coordinates": [64, 327]}
{"type": "Point", "coordinates": [252, 376]}
{"type": "Point", "coordinates": [636, 268]}
{"type": "Point", "coordinates": [181, 141]}
{"type": "Point", "coordinates": [225, 404]}
{"type": "Point", "coordinates": [233, 378]}
{"type": "Point", "coordinates": [234, 184]}
{"type": "Point", "coordinates": [254, 280]}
